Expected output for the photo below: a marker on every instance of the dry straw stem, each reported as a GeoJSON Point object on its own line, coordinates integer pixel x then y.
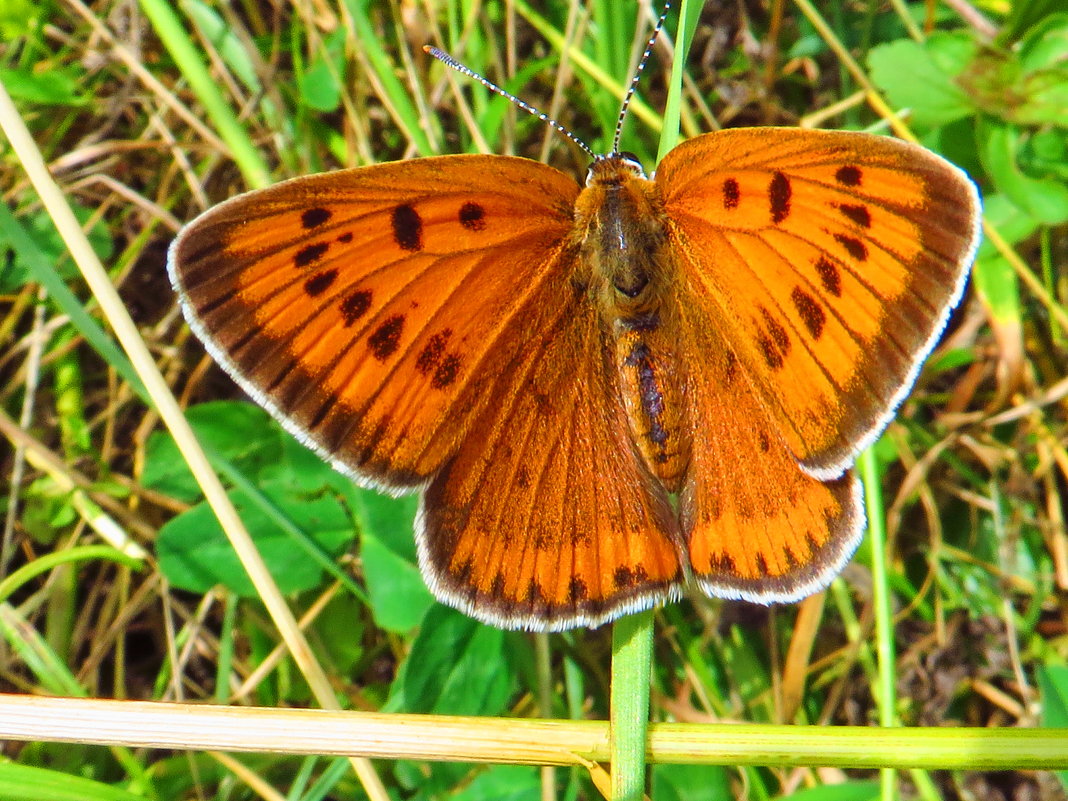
{"type": "Point", "coordinates": [516, 741]}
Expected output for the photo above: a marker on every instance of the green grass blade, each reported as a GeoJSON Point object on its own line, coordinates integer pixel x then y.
{"type": "Point", "coordinates": [174, 37]}
{"type": "Point", "coordinates": [44, 272]}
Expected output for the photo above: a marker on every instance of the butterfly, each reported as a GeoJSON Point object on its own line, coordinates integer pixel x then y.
{"type": "Point", "coordinates": [604, 393]}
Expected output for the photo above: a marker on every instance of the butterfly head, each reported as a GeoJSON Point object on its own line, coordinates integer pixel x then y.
{"type": "Point", "coordinates": [614, 169]}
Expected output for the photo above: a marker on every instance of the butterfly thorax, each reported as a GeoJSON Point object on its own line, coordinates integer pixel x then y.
{"type": "Point", "coordinates": [631, 274]}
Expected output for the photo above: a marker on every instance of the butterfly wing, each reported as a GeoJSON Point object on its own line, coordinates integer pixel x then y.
{"type": "Point", "coordinates": [418, 322]}
{"type": "Point", "coordinates": [830, 261]}
{"type": "Point", "coordinates": [547, 518]}
{"type": "Point", "coordinates": [359, 306]}
{"type": "Point", "coordinates": [761, 529]}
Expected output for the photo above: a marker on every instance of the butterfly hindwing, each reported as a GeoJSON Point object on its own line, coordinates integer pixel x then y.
{"type": "Point", "coordinates": [546, 517]}
{"type": "Point", "coordinates": [756, 525]}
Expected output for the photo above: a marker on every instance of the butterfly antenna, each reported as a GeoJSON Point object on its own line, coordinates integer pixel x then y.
{"type": "Point", "coordinates": [637, 75]}
{"type": "Point", "coordinates": [449, 61]}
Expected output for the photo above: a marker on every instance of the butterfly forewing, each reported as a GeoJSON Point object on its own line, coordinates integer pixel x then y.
{"type": "Point", "coordinates": [830, 262]}
{"type": "Point", "coordinates": [359, 306]}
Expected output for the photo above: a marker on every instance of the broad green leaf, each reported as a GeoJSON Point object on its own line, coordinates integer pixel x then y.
{"type": "Point", "coordinates": [399, 598]}
{"type": "Point", "coordinates": [55, 87]}
{"type": "Point", "coordinates": [992, 276]}
{"type": "Point", "coordinates": [195, 555]}
{"type": "Point", "coordinates": [240, 432]}
{"type": "Point", "coordinates": [26, 783]}
{"type": "Point", "coordinates": [502, 783]}
{"type": "Point", "coordinates": [921, 77]}
{"type": "Point", "coordinates": [458, 666]}
{"type": "Point", "coordinates": [18, 18]}
{"type": "Point", "coordinates": [1043, 59]}
{"type": "Point", "coordinates": [1024, 16]}
{"type": "Point", "coordinates": [319, 85]}
{"type": "Point", "coordinates": [691, 783]}
{"type": "Point", "coordinates": [1045, 199]}
{"type": "Point", "coordinates": [391, 520]}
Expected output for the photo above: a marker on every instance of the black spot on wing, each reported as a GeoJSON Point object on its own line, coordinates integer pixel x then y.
{"type": "Point", "coordinates": [731, 194]}
{"type": "Point", "coordinates": [762, 565]}
{"type": "Point", "coordinates": [313, 218]}
{"type": "Point", "coordinates": [309, 254]}
{"type": "Point", "coordinates": [775, 328]}
{"type": "Point", "coordinates": [355, 306]}
{"type": "Point", "coordinates": [472, 216]}
{"type": "Point", "coordinates": [320, 282]}
{"type": "Point", "coordinates": [723, 564]}
{"type": "Point", "coordinates": [771, 354]}
{"type": "Point", "coordinates": [447, 371]}
{"type": "Point", "coordinates": [848, 176]}
{"type": "Point", "coordinates": [407, 228]}
{"type": "Point", "coordinates": [627, 577]}
{"type": "Point", "coordinates": [829, 275]}
{"type": "Point", "coordinates": [386, 338]}
{"type": "Point", "coordinates": [497, 586]}
{"type": "Point", "coordinates": [856, 212]}
{"type": "Point", "coordinates": [812, 314]}
{"type": "Point", "coordinates": [432, 352]}
{"type": "Point", "coordinates": [779, 193]}
{"type": "Point", "coordinates": [773, 342]}
{"type": "Point", "coordinates": [577, 590]}
{"type": "Point", "coordinates": [853, 246]}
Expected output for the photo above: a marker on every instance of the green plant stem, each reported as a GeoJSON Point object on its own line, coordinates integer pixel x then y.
{"type": "Point", "coordinates": [689, 12]}
{"type": "Point", "coordinates": [884, 621]}
{"type": "Point", "coordinates": [632, 648]}
{"type": "Point", "coordinates": [47, 562]}
{"type": "Point", "coordinates": [518, 740]}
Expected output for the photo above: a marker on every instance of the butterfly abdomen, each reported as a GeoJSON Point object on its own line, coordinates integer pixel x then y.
{"type": "Point", "coordinates": [651, 389]}
{"type": "Point", "coordinates": [631, 277]}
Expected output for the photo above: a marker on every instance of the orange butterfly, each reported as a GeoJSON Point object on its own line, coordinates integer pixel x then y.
{"type": "Point", "coordinates": [606, 392]}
